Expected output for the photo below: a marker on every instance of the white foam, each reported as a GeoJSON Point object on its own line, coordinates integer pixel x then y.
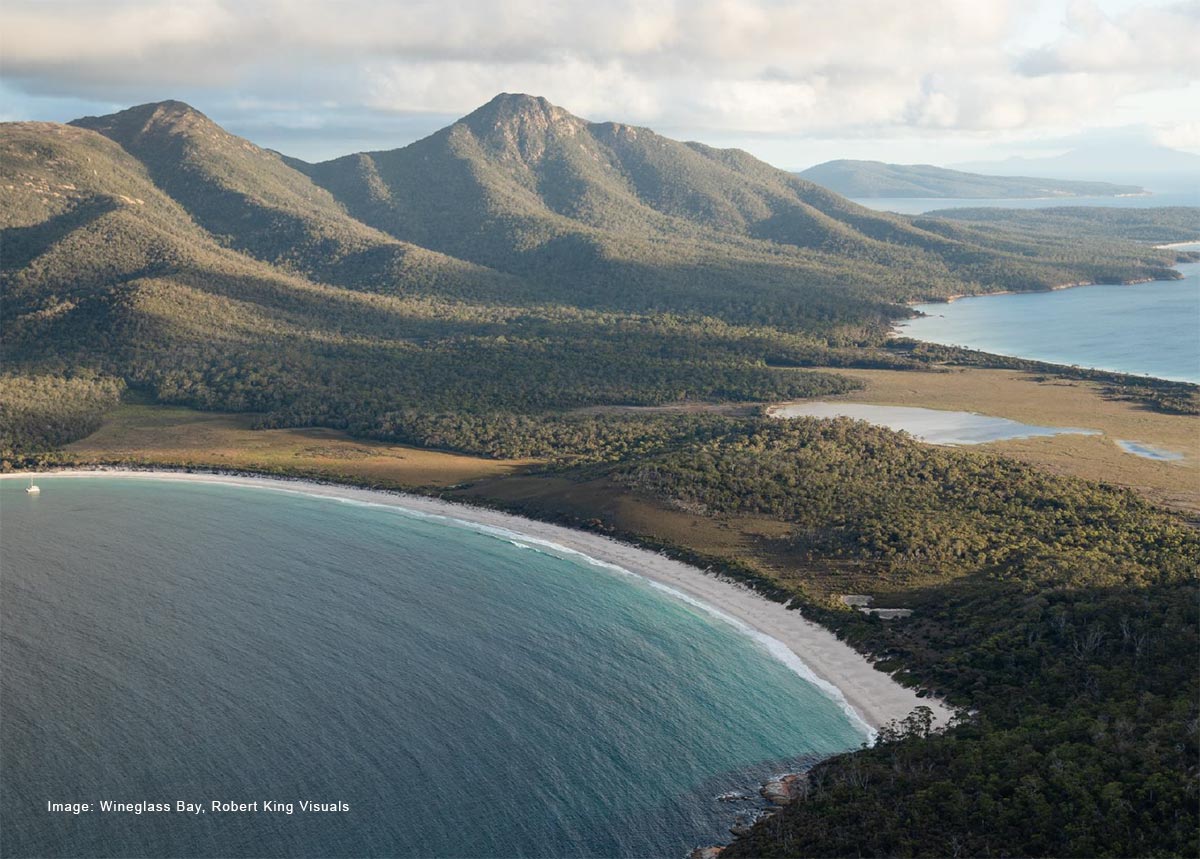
{"type": "Point", "coordinates": [773, 646]}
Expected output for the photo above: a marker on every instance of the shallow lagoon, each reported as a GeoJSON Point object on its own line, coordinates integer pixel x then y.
{"type": "Point", "coordinates": [942, 426]}
{"type": "Point", "coordinates": [1149, 451]}
{"type": "Point", "coordinates": [936, 426]}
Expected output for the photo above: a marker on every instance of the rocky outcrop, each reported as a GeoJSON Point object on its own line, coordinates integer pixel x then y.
{"type": "Point", "coordinates": [785, 788]}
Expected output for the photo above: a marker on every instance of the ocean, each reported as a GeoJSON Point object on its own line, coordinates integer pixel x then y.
{"type": "Point", "coordinates": [453, 693]}
{"type": "Point", "coordinates": [1150, 329]}
{"type": "Point", "coordinates": [921, 205]}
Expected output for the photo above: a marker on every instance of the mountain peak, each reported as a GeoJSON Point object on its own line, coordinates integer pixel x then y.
{"type": "Point", "coordinates": [170, 117]}
{"type": "Point", "coordinates": [519, 126]}
{"type": "Point", "coordinates": [516, 105]}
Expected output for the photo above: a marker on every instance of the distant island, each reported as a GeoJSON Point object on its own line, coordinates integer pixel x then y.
{"type": "Point", "coordinates": [878, 179]}
{"type": "Point", "coordinates": [1140, 160]}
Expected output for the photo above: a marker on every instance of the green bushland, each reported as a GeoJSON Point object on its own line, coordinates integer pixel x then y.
{"type": "Point", "coordinates": [1060, 614]}
{"type": "Point", "coordinates": [39, 413]}
{"type": "Point", "coordinates": [1155, 225]}
{"type": "Point", "coordinates": [1082, 741]}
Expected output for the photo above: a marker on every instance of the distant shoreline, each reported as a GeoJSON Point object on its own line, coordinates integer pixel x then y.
{"type": "Point", "coordinates": [854, 198]}
{"type": "Point", "coordinates": [896, 331]}
{"type": "Point", "coordinates": [949, 299]}
{"type": "Point", "coordinates": [870, 697]}
{"type": "Point", "coordinates": [958, 295]}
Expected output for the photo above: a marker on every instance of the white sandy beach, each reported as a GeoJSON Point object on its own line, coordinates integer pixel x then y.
{"type": "Point", "coordinates": [870, 696]}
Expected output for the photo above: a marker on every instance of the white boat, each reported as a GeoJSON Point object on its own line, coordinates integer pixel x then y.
{"type": "Point", "coordinates": [32, 488]}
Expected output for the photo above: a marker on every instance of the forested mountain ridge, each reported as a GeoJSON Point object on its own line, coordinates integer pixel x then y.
{"type": "Point", "coordinates": [107, 280]}
{"type": "Point", "coordinates": [879, 179]}
{"type": "Point", "coordinates": [522, 202]}
{"type": "Point", "coordinates": [639, 222]}
{"type": "Point", "coordinates": [251, 200]}
{"type": "Point", "coordinates": [521, 259]}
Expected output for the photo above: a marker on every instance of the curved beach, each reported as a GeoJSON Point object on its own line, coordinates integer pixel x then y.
{"type": "Point", "coordinates": [870, 697]}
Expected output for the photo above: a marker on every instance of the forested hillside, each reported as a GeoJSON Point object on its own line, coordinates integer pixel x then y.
{"type": "Point", "coordinates": [106, 275]}
{"type": "Point", "coordinates": [1162, 225]}
{"type": "Point", "coordinates": [520, 261]}
{"type": "Point", "coordinates": [1061, 615]}
{"type": "Point", "coordinates": [249, 199]}
{"type": "Point", "coordinates": [632, 220]}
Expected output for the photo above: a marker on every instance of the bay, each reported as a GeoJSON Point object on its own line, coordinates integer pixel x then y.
{"type": "Point", "coordinates": [464, 694]}
{"type": "Point", "coordinates": [1150, 329]}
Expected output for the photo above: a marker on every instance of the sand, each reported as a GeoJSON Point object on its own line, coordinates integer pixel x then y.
{"type": "Point", "coordinates": [871, 698]}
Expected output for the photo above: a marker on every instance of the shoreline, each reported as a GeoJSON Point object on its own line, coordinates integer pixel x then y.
{"type": "Point", "coordinates": [869, 697]}
{"type": "Point", "coordinates": [950, 299]}
{"type": "Point", "coordinates": [897, 329]}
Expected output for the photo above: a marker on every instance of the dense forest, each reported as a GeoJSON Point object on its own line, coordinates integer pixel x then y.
{"type": "Point", "coordinates": [1153, 225]}
{"type": "Point", "coordinates": [1083, 738]}
{"type": "Point", "coordinates": [501, 286]}
{"type": "Point", "coordinates": [1060, 615]}
{"type": "Point", "coordinates": [917, 512]}
{"type": "Point", "coordinates": [45, 412]}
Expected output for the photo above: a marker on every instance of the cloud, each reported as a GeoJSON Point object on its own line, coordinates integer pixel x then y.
{"type": "Point", "coordinates": [1180, 135]}
{"type": "Point", "coordinates": [751, 66]}
{"type": "Point", "coordinates": [1154, 40]}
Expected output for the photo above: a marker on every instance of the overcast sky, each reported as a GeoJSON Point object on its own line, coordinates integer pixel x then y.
{"type": "Point", "coordinates": [794, 82]}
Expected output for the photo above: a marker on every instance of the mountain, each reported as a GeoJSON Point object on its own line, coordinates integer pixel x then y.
{"type": "Point", "coordinates": [521, 259]}
{"type": "Point", "coordinates": [877, 179]}
{"type": "Point", "coordinates": [122, 267]}
{"type": "Point", "coordinates": [256, 203]}
{"type": "Point", "coordinates": [1128, 159]}
{"type": "Point", "coordinates": [643, 222]}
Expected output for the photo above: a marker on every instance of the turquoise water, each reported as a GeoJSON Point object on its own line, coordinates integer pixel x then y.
{"type": "Point", "coordinates": [1150, 329]}
{"type": "Point", "coordinates": [464, 696]}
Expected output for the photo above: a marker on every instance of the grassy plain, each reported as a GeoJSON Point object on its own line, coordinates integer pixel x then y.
{"type": "Point", "coordinates": [172, 436]}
